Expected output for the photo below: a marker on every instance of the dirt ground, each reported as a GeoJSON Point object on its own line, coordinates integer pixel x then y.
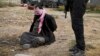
{"type": "Point", "coordinates": [16, 20]}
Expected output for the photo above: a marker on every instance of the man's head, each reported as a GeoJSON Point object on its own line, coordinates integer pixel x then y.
{"type": "Point", "coordinates": [33, 5]}
{"type": "Point", "coordinates": [38, 9]}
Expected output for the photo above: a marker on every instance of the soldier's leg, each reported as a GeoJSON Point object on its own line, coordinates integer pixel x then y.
{"type": "Point", "coordinates": [77, 12]}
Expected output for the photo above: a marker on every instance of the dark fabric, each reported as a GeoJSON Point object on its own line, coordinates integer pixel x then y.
{"type": "Point", "coordinates": [30, 38]}
{"type": "Point", "coordinates": [49, 26]}
{"type": "Point", "coordinates": [46, 36]}
{"type": "Point", "coordinates": [26, 38]}
{"type": "Point", "coordinates": [77, 9]}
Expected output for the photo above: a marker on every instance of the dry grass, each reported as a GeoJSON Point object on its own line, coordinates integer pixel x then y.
{"type": "Point", "coordinates": [4, 3]}
{"type": "Point", "coordinates": [16, 20]}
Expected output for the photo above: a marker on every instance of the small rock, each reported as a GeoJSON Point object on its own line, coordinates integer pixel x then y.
{"type": "Point", "coordinates": [94, 30]}
{"type": "Point", "coordinates": [13, 50]}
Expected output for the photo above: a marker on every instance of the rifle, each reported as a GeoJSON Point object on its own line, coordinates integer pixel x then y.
{"type": "Point", "coordinates": [65, 14]}
{"type": "Point", "coordinates": [67, 6]}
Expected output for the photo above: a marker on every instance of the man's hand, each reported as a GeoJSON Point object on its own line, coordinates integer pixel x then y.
{"type": "Point", "coordinates": [39, 30]}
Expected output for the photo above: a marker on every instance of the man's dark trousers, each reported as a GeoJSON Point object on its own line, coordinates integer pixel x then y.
{"type": "Point", "coordinates": [77, 10]}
